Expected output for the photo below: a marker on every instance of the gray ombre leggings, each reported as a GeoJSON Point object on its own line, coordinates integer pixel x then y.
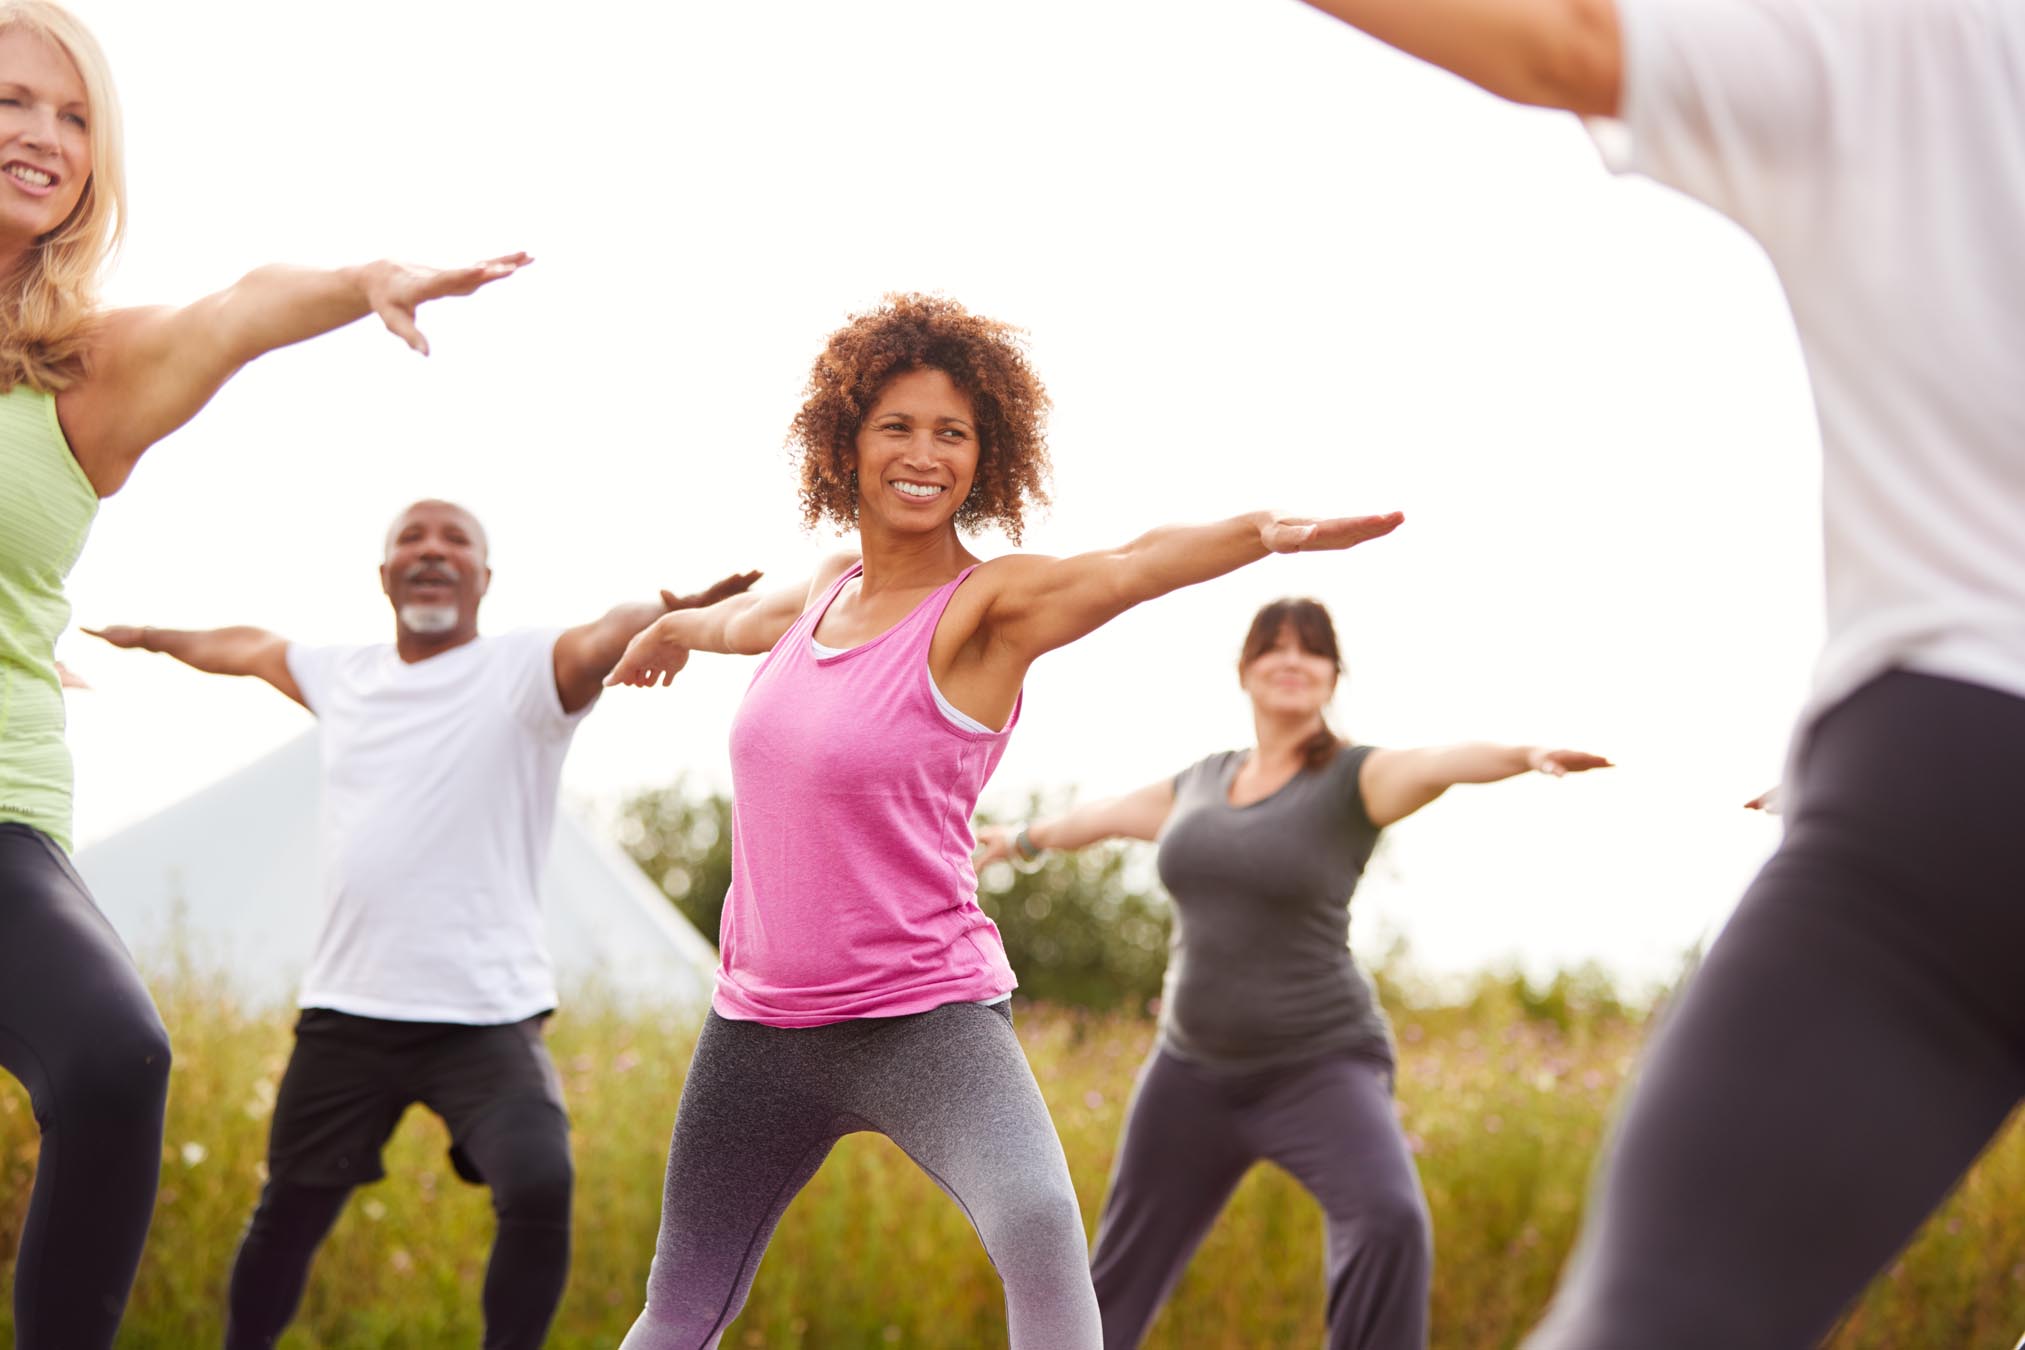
{"type": "Point", "coordinates": [1192, 1134]}
{"type": "Point", "coordinates": [1855, 1037]}
{"type": "Point", "coordinates": [762, 1108]}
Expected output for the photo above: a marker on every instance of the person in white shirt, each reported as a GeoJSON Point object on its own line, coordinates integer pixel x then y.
{"type": "Point", "coordinates": [430, 980]}
{"type": "Point", "coordinates": [1857, 1033]}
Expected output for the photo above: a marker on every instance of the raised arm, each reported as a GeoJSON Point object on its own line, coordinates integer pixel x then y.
{"type": "Point", "coordinates": [1136, 815]}
{"type": "Point", "coordinates": [1396, 783]}
{"type": "Point", "coordinates": [1036, 604]}
{"type": "Point", "coordinates": [743, 625]}
{"type": "Point", "coordinates": [151, 370]}
{"type": "Point", "coordinates": [585, 655]}
{"type": "Point", "coordinates": [216, 651]}
{"type": "Point", "coordinates": [1550, 53]}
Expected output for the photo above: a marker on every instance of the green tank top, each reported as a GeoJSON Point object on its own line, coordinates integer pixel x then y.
{"type": "Point", "coordinates": [46, 509]}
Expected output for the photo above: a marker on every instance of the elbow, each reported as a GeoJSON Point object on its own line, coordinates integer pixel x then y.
{"type": "Point", "coordinates": [1575, 61]}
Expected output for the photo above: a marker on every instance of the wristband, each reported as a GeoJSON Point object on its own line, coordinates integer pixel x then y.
{"type": "Point", "coordinates": [1025, 848]}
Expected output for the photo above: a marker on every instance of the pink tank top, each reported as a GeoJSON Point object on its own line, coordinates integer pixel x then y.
{"type": "Point", "coordinates": [852, 893]}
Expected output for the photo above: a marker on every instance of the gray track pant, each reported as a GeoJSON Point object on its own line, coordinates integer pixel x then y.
{"type": "Point", "coordinates": [1854, 1039]}
{"type": "Point", "coordinates": [764, 1105]}
{"type": "Point", "coordinates": [1190, 1137]}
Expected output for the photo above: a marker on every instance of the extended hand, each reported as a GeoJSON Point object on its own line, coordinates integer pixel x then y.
{"type": "Point", "coordinates": [119, 634]}
{"type": "Point", "coordinates": [395, 290]}
{"type": "Point", "coordinates": [1300, 534]}
{"type": "Point", "coordinates": [1557, 763]}
{"type": "Point", "coordinates": [736, 584]}
{"type": "Point", "coordinates": [651, 658]}
{"type": "Point", "coordinates": [994, 844]}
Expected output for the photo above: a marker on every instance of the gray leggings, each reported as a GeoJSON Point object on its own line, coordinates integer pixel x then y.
{"type": "Point", "coordinates": [1190, 1137]}
{"type": "Point", "coordinates": [1855, 1037]}
{"type": "Point", "coordinates": [762, 1108]}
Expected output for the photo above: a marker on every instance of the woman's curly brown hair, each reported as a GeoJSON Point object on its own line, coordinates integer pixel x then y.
{"type": "Point", "coordinates": [984, 358]}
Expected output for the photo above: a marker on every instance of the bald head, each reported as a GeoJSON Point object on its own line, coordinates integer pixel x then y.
{"type": "Point", "coordinates": [419, 513]}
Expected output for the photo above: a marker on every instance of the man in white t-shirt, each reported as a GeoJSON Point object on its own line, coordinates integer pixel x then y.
{"type": "Point", "coordinates": [430, 981]}
{"type": "Point", "coordinates": [1857, 1033]}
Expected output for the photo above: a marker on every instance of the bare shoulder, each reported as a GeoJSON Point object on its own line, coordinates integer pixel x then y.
{"type": "Point", "coordinates": [827, 571]}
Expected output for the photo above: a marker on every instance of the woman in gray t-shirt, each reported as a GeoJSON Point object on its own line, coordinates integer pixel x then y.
{"type": "Point", "coordinates": [1272, 1045]}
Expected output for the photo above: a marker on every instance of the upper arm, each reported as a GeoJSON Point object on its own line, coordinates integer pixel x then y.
{"type": "Point", "coordinates": [150, 371]}
{"type": "Point", "coordinates": [268, 660]}
{"type": "Point", "coordinates": [1033, 603]}
{"type": "Point", "coordinates": [1396, 783]}
{"type": "Point", "coordinates": [1736, 102]}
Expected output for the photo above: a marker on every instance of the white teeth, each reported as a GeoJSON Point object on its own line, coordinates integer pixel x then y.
{"type": "Point", "coordinates": [28, 174]}
{"type": "Point", "coordinates": [919, 489]}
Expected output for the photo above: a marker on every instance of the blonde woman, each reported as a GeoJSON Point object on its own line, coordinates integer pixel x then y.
{"type": "Point", "coordinates": [83, 393]}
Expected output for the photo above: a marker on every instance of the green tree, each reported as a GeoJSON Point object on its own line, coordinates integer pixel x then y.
{"type": "Point", "coordinates": [682, 841]}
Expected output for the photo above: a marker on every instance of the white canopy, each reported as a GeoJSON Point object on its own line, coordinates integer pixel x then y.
{"type": "Point", "coordinates": [231, 872]}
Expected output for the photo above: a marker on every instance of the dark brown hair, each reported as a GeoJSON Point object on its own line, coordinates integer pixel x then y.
{"type": "Point", "coordinates": [984, 358]}
{"type": "Point", "coordinates": [1317, 636]}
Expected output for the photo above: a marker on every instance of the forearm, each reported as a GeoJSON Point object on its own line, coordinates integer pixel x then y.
{"type": "Point", "coordinates": [216, 651]}
{"type": "Point", "coordinates": [278, 305]}
{"type": "Point", "coordinates": [734, 627]}
{"type": "Point", "coordinates": [1078, 827]}
{"type": "Point", "coordinates": [1551, 53]}
{"type": "Point", "coordinates": [1173, 556]}
{"type": "Point", "coordinates": [608, 637]}
{"type": "Point", "coordinates": [1479, 762]}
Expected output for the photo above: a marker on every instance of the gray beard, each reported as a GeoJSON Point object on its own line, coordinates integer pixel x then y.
{"type": "Point", "coordinates": [428, 620]}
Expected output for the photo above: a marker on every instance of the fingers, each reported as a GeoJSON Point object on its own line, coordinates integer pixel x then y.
{"type": "Point", "coordinates": [1348, 531]}
{"type": "Point", "coordinates": [401, 323]}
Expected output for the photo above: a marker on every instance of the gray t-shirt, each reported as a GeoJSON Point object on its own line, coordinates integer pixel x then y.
{"type": "Point", "coordinates": [1259, 970]}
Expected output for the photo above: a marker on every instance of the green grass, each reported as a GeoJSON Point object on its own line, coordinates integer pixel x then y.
{"type": "Point", "coordinates": [1504, 1103]}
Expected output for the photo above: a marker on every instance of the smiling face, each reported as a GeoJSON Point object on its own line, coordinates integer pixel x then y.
{"type": "Point", "coordinates": [435, 572]}
{"type": "Point", "coordinates": [45, 137]}
{"type": "Point", "coordinates": [1290, 661]}
{"type": "Point", "coordinates": [915, 453]}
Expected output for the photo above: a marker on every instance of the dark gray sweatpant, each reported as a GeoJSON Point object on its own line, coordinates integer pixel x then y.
{"type": "Point", "coordinates": [1854, 1039]}
{"type": "Point", "coordinates": [764, 1105]}
{"type": "Point", "coordinates": [1190, 1136]}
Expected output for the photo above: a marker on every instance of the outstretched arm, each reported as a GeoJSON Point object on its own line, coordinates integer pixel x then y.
{"type": "Point", "coordinates": [152, 369]}
{"type": "Point", "coordinates": [1136, 815]}
{"type": "Point", "coordinates": [1396, 783]}
{"type": "Point", "coordinates": [585, 655]}
{"type": "Point", "coordinates": [1038, 604]}
{"type": "Point", "coordinates": [1551, 53]}
{"type": "Point", "coordinates": [216, 651]}
{"type": "Point", "coordinates": [743, 625]}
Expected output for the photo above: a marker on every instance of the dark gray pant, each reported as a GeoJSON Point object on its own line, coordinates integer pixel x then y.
{"type": "Point", "coordinates": [764, 1105]}
{"type": "Point", "coordinates": [1854, 1039]}
{"type": "Point", "coordinates": [1190, 1137]}
{"type": "Point", "coordinates": [78, 1029]}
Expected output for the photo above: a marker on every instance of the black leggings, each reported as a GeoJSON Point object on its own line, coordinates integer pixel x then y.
{"type": "Point", "coordinates": [78, 1029]}
{"type": "Point", "coordinates": [1854, 1039]}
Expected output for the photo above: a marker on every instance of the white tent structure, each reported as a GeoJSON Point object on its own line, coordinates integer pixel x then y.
{"type": "Point", "coordinates": [230, 874]}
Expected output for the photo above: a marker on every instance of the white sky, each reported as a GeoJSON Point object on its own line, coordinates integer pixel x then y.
{"type": "Point", "coordinates": [1263, 261]}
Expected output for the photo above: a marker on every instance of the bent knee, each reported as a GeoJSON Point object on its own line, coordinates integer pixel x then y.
{"type": "Point", "coordinates": [1395, 1223]}
{"type": "Point", "coordinates": [112, 1072]}
{"type": "Point", "coordinates": [1038, 1226]}
{"type": "Point", "coordinates": [536, 1190]}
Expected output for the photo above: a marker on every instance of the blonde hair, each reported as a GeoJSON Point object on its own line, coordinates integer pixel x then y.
{"type": "Point", "coordinates": [49, 301]}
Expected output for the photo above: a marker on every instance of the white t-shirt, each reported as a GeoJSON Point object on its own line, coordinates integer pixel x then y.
{"type": "Point", "coordinates": [439, 791]}
{"type": "Point", "coordinates": [1876, 149]}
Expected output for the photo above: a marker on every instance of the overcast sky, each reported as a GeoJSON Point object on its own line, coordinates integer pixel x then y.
{"type": "Point", "coordinates": [1263, 262]}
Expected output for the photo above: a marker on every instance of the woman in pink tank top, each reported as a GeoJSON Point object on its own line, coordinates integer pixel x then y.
{"type": "Point", "coordinates": [860, 987]}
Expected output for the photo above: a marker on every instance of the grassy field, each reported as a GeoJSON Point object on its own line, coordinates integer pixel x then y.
{"type": "Point", "coordinates": [1504, 1099]}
